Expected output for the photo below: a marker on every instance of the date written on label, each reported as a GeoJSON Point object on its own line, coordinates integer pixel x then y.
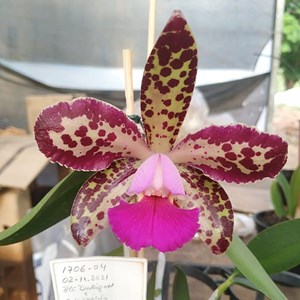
{"type": "Point", "coordinates": [72, 279]}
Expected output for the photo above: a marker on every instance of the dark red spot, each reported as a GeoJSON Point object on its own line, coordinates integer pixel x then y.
{"type": "Point", "coordinates": [167, 102]}
{"type": "Point", "coordinates": [179, 97]}
{"type": "Point", "coordinates": [176, 64]}
{"type": "Point", "coordinates": [93, 125]}
{"type": "Point", "coordinates": [100, 215]}
{"type": "Point", "coordinates": [271, 153]}
{"type": "Point", "coordinates": [165, 72]}
{"type": "Point", "coordinates": [223, 244]}
{"type": "Point", "coordinates": [73, 144]}
{"type": "Point", "coordinates": [164, 89]}
{"type": "Point", "coordinates": [171, 115]}
{"type": "Point", "coordinates": [81, 131]}
{"type": "Point", "coordinates": [86, 141]}
{"type": "Point", "coordinates": [194, 63]}
{"type": "Point", "coordinates": [226, 147]}
{"type": "Point", "coordinates": [90, 232]}
{"type": "Point", "coordinates": [187, 55]}
{"type": "Point", "coordinates": [148, 67]}
{"type": "Point", "coordinates": [66, 138]}
{"type": "Point", "coordinates": [182, 74]}
{"type": "Point", "coordinates": [248, 152]}
{"type": "Point", "coordinates": [173, 82]}
{"type": "Point", "coordinates": [155, 77]}
{"type": "Point", "coordinates": [143, 106]}
{"type": "Point", "coordinates": [149, 113]}
{"type": "Point", "coordinates": [100, 142]}
{"type": "Point", "coordinates": [231, 156]}
{"type": "Point", "coordinates": [248, 163]}
{"type": "Point", "coordinates": [101, 132]}
{"type": "Point", "coordinates": [112, 137]}
{"type": "Point", "coordinates": [164, 55]}
{"type": "Point", "coordinates": [209, 233]}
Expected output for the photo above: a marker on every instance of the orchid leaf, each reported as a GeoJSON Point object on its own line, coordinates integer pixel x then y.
{"type": "Point", "coordinates": [295, 190]}
{"type": "Point", "coordinates": [285, 187]}
{"type": "Point", "coordinates": [276, 197]}
{"type": "Point", "coordinates": [151, 285]}
{"type": "Point", "coordinates": [180, 286]}
{"type": "Point", "coordinates": [250, 267]}
{"type": "Point", "coordinates": [116, 252]}
{"type": "Point", "coordinates": [278, 247]}
{"type": "Point", "coordinates": [54, 207]}
{"type": "Point", "coordinates": [244, 282]}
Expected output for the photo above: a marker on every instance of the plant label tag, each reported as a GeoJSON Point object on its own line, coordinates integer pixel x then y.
{"type": "Point", "coordinates": [99, 278]}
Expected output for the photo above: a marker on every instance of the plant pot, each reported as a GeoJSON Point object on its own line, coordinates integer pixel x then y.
{"type": "Point", "coordinates": [265, 219]}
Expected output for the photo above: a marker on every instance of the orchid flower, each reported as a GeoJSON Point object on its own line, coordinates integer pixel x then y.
{"type": "Point", "coordinates": [152, 189]}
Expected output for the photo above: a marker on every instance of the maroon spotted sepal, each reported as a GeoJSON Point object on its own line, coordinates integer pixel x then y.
{"type": "Point", "coordinates": [168, 83]}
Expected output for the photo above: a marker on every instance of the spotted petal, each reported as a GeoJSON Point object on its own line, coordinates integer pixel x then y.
{"type": "Point", "coordinates": [216, 214]}
{"type": "Point", "coordinates": [87, 134]}
{"type": "Point", "coordinates": [97, 195]}
{"type": "Point", "coordinates": [235, 153]}
{"type": "Point", "coordinates": [153, 221]}
{"type": "Point", "coordinates": [168, 83]}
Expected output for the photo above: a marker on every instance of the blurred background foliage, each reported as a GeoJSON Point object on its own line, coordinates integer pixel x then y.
{"type": "Point", "coordinates": [290, 47]}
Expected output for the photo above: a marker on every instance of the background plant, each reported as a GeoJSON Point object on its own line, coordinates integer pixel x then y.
{"type": "Point", "coordinates": [285, 194]}
{"type": "Point", "coordinates": [290, 47]}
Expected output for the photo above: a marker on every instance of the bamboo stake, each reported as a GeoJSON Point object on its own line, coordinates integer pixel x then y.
{"type": "Point", "coordinates": [129, 94]}
{"type": "Point", "coordinates": [129, 97]}
{"type": "Point", "coordinates": [151, 25]}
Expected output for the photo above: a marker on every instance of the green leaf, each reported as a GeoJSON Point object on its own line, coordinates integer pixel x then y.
{"type": "Point", "coordinates": [295, 191]}
{"type": "Point", "coordinates": [135, 118]}
{"type": "Point", "coordinates": [277, 200]}
{"type": "Point", "coordinates": [244, 282]}
{"type": "Point", "coordinates": [278, 247]}
{"type": "Point", "coordinates": [180, 286]}
{"type": "Point", "coordinates": [116, 252]}
{"type": "Point", "coordinates": [54, 207]}
{"type": "Point", "coordinates": [250, 267]}
{"type": "Point", "coordinates": [285, 187]}
{"type": "Point", "coordinates": [151, 286]}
